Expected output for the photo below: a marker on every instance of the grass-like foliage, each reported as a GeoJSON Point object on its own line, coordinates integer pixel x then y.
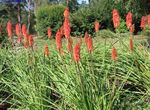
{"type": "Point", "coordinates": [30, 81]}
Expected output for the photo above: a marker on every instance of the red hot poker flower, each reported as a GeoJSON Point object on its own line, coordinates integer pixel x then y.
{"type": "Point", "coordinates": [9, 29]}
{"type": "Point", "coordinates": [114, 54]}
{"type": "Point", "coordinates": [30, 40]}
{"type": "Point", "coordinates": [90, 45]}
{"type": "Point", "coordinates": [86, 36]}
{"type": "Point", "coordinates": [18, 30]}
{"type": "Point", "coordinates": [131, 44]}
{"type": "Point", "coordinates": [49, 32]}
{"type": "Point", "coordinates": [66, 13]}
{"type": "Point", "coordinates": [70, 42]}
{"type": "Point", "coordinates": [67, 28]}
{"type": "Point", "coordinates": [26, 39]}
{"type": "Point", "coordinates": [97, 26]}
{"type": "Point", "coordinates": [129, 19]}
{"type": "Point", "coordinates": [58, 41]}
{"type": "Point", "coordinates": [76, 52]}
{"type": "Point", "coordinates": [116, 18]}
{"type": "Point", "coordinates": [132, 28]}
{"type": "Point", "coordinates": [143, 22]}
{"type": "Point", "coordinates": [46, 51]}
{"type": "Point", "coordinates": [24, 29]}
{"type": "Point", "coordinates": [148, 18]}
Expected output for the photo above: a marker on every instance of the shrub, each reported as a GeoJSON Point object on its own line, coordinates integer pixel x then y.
{"type": "Point", "coordinates": [51, 15]}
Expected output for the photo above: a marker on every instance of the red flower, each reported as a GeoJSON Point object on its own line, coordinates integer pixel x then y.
{"type": "Point", "coordinates": [26, 39]}
{"type": "Point", "coordinates": [30, 40]}
{"type": "Point", "coordinates": [76, 52]}
{"type": "Point", "coordinates": [70, 42]}
{"type": "Point", "coordinates": [132, 28]}
{"type": "Point", "coordinates": [116, 18]}
{"type": "Point", "coordinates": [9, 29]}
{"type": "Point", "coordinates": [49, 32]}
{"type": "Point", "coordinates": [148, 18]}
{"type": "Point", "coordinates": [97, 26]}
{"type": "Point", "coordinates": [129, 20]}
{"type": "Point", "coordinates": [58, 40]}
{"type": "Point", "coordinates": [24, 29]}
{"type": "Point", "coordinates": [18, 30]}
{"type": "Point", "coordinates": [90, 45]}
{"type": "Point", "coordinates": [46, 51]}
{"type": "Point", "coordinates": [86, 36]}
{"type": "Point", "coordinates": [143, 22]}
{"type": "Point", "coordinates": [66, 13]}
{"type": "Point", "coordinates": [114, 54]}
{"type": "Point", "coordinates": [67, 28]}
{"type": "Point", "coordinates": [131, 44]}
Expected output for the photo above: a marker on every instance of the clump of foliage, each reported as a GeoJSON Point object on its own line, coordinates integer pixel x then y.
{"type": "Point", "coordinates": [51, 15]}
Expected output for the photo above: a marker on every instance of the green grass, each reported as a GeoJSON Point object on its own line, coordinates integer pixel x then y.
{"type": "Point", "coordinates": [33, 82]}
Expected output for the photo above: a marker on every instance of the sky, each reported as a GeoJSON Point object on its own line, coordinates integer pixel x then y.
{"type": "Point", "coordinates": [80, 1]}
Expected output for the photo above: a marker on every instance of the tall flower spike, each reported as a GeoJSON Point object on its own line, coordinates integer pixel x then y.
{"type": "Point", "coordinates": [9, 29]}
{"type": "Point", "coordinates": [132, 28]}
{"type": "Point", "coordinates": [46, 51]}
{"type": "Point", "coordinates": [66, 13]}
{"type": "Point", "coordinates": [90, 45]}
{"type": "Point", "coordinates": [18, 29]}
{"type": "Point", "coordinates": [76, 52]}
{"type": "Point", "coordinates": [31, 41]}
{"type": "Point", "coordinates": [143, 22]}
{"type": "Point", "coordinates": [131, 44]}
{"type": "Point", "coordinates": [97, 26]}
{"type": "Point", "coordinates": [24, 29]}
{"type": "Point", "coordinates": [129, 20]}
{"type": "Point", "coordinates": [86, 36]}
{"type": "Point", "coordinates": [116, 18]}
{"type": "Point", "coordinates": [67, 28]}
{"type": "Point", "coordinates": [148, 18]}
{"type": "Point", "coordinates": [26, 39]}
{"type": "Point", "coordinates": [58, 41]}
{"type": "Point", "coordinates": [114, 54]}
{"type": "Point", "coordinates": [70, 42]}
{"type": "Point", "coordinates": [49, 32]}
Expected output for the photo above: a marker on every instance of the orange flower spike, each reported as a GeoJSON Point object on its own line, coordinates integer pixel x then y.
{"type": "Point", "coordinates": [129, 20]}
{"type": "Point", "coordinates": [62, 30]}
{"type": "Point", "coordinates": [132, 28]}
{"type": "Point", "coordinates": [18, 29]}
{"type": "Point", "coordinates": [58, 40]}
{"type": "Point", "coordinates": [24, 29]}
{"type": "Point", "coordinates": [90, 45]}
{"type": "Point", "coordinates": [49, 32]}
{"type": "Point", "coordinates": [9, 29]}
{"type": "Point", "coordinates": [116, 18]}
{"type": "Point", "coordinates": [26, 39]}
{"type": "Point", "coordinates": [114, 54]}
{"type": "Point", "coordinates": [66, 13]}
{"type": "Point", "coordinates": [66, 28]}
{"type": "Point", "coordinates": [76, 52]}
{"type": "Point", "coordinates": [70, 42]}
{"type": "Point", "coordinates": [143, 22]}
{"type": "Point", "coordinates": [148, 18]}
{"type": "Point", "coordinates": [97, 26]}
{"type": "Point", "coordinates": [131, 44]}
{"type": "Point", "coordinates": [46, 51]}
{"type": "Point", "coordinates": [86, 36]}
{"type": "Point", "coordinates": [30, 40]}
